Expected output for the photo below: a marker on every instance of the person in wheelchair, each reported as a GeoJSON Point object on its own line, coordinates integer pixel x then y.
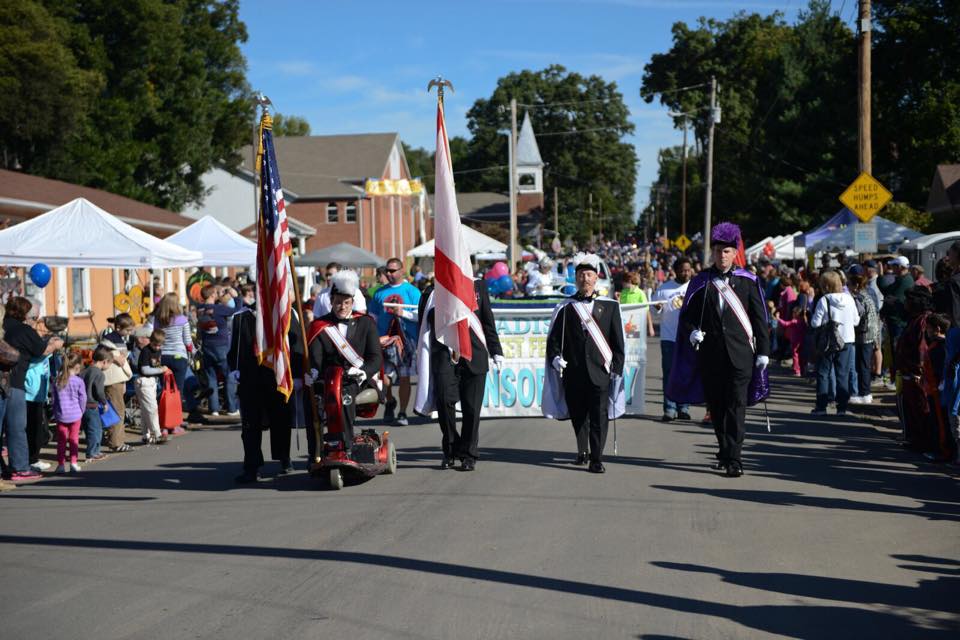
{"type": "Point", "coordinates": [343, 338]}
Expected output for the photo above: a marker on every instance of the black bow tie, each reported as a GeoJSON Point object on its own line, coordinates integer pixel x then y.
{"type": "Point", "coordinates": [582, 297]}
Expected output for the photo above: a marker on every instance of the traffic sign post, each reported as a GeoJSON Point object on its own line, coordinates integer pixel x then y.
{"type": "Point", "coordinates": [682, 242]}
{"type": "Point", "coordinates": [865, 197]}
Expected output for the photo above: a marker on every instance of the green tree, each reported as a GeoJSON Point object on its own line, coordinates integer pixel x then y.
{"type": "Point", "coordinates": [916, 93]}
{"type": "Point", "coordinates": [903, 213]}
{"type": "Point", "coordinates": [579, 122]}
{"type": "Point", "coordinates": [44, 94]}
{"type": "Point", "coordinates": [174, 101]}
{"type": "Point", "coordinates": [290, 125]}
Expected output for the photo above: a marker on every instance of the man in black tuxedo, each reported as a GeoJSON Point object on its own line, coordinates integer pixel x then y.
{"type": "Point", "coordinates": [462, 380]}
{"type": "Point", "coordinates": [586, 357]}
{"type": "Point", "coordinates": [730, 340]}
{"type": "Point", "coordinates": [361, 356]}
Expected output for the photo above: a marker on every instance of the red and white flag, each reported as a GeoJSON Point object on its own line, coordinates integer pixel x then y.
{"type": "Point", "coordinates": [454, 297]}
{"type": "Point", "coordinates": [272, 345]}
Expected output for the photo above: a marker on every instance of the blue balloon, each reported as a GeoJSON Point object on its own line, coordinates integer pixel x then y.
{"type": "Point", "coordinates": [505, 283]}
{"type": "Point", "coordinates": [40, 275]}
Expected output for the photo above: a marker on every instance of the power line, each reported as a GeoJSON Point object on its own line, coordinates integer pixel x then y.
{"type": "Point", "coordinates": [544, 105]}
{"type": "Point", "coordinates": [575, 131]}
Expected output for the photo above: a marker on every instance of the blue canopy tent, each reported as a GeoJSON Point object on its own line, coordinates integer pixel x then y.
{"type": "Point", "coordinates": [837, 233]}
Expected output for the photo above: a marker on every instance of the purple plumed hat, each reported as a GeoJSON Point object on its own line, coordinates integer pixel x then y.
{"type": "Point", "coordinates": [725, 233]}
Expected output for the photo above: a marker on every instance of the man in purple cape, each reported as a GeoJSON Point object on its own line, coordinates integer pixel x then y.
{"type": "Point", "coordinates": [723, 346]}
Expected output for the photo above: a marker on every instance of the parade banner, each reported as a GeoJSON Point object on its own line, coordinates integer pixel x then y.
{"type": "Point", "coordinates": [517, 388]}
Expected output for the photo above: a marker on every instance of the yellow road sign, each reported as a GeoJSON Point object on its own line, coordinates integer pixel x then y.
{"type": "Point", "coordinates": [683, 242]}
{"type": "Point", "coordinates": [865, 197]}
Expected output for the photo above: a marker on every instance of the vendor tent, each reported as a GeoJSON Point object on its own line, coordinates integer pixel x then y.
{"type": "Point", "coordinates": [837, 233]}
{"type": "Point", "coordinates": [343, 252]}
{"type": "Point", "coordinates": [220, 245]}
{"type": "Point", "coordinates": [81, 234]}
{"type": "Point", "coordinates": [476, 243]}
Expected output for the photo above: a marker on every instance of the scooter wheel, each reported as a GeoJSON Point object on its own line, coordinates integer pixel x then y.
{"type": "Point", "coordinates": [391, 459]}
{"type": "Point", "coordinates": [336, 479]}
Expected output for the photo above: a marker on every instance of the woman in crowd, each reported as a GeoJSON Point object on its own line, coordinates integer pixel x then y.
{"type": "Point", "coordinates": [177, 343]}
{"type": "Point", "coordinates": [833, 367]}
{"type": "Point", "coordinates": [867, 335]}
{"type": "Point", "coordinates": [21, 335]}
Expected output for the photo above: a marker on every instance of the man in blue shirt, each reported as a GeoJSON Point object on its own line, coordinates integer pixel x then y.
{"type": "Point", "coordinates": [397, 291]}
{"type": "Point", "coordinates": [213, 326]}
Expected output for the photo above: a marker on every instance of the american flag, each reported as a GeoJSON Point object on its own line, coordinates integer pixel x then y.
{"type": "Point", "coordinates": [273, 276]}
{"type": "Point", "coordinates": [454, 296]}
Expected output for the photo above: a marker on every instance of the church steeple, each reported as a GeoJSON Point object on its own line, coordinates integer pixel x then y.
{"type": "Point", "coordinates": [529, 162]}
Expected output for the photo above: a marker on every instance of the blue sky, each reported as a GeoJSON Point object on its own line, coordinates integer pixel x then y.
{"type": "Point", "coordinates": [356, 67]}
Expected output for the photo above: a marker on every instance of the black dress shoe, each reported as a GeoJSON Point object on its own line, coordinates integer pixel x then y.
{"type": "Point", "coordinates": [667, 418]}
{"type": "Point", "coordinates": [734, 470]}
{"type": "Point", "coordinates": [581, 459]}
{"type": "Point", "coordinates": [683, 415]}
{"type": "Point", "coordinates": [718, 465]}
{"type": "Point", "coordinates": [247, 478]}
{"type": "Point", "coordinates": [468, 464]}
{"type": "Point", "coordinates": [285, 467]}
{"type": "Point", "coordinates": [597, 467]}
{"type": "Point", "coordinates": [446, 463]}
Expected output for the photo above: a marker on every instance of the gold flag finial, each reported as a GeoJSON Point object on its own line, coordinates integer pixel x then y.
{"type": "Point", "coordinates": [439, 83]}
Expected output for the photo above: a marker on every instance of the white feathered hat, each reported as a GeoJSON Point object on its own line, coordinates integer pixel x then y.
{"type": "Point", "coordinates": [345, 283]}
{"type": "Point", "coordinates": [586, 261]}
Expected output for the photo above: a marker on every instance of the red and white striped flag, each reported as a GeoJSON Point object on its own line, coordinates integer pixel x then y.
{"type": "Point", "coordinates": [273, 276]}
{"type": "Point", "coordinates": [454, 296]}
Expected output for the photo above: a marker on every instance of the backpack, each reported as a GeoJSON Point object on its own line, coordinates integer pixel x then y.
{"type": "Point", "coordinates": [828, 339]}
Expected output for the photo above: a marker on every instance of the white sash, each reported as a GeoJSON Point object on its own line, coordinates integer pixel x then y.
{"type": "Point", "coordinates": [594, 331]}
{"type": "Point", "coordinates": [730, 299]}
{"type": "Point", "coordinates": [345, 348]}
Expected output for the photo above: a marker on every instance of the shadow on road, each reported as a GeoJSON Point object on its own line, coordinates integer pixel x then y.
{"type": "Point", "coordinates": [794, 620]}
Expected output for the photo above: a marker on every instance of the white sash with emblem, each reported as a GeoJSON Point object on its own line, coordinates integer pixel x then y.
{"type": "Point", "coordinates": [345, 348]}
{"type": "Point", "coordinates": [594, 332]}
{"type": "Point", "coordinates": [730, 299]}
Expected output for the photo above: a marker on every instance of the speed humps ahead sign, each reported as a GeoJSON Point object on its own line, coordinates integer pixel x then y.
{"type": "Point", "coordinates": [865, 197]}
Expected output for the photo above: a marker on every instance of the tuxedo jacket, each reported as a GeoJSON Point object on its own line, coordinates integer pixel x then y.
{"type": "Point", "coordinates": [480, 363]}
{"type": "Point", "coordinates": [362, 336]}
{"type": "Point", "coordinates": [725, 337]}
{"type": "Point", "coordinates": [579, 349]}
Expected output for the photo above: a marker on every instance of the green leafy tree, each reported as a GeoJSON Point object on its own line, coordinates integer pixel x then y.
{"type": "Point", "coordinates": [903, 213]}
{"type": "Point", "coordinates": [44, 93]}
{"type": "Point", "coordinates": [174, 99]}
{"type": "Point", "coordinates": [579, 122]}
{"type": "Point", "coordinates": [290, 125]}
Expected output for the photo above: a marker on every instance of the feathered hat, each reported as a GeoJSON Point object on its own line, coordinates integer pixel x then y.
{"type": "Point", "coordinates": [345, 283]}
{"type": "Point", "coordinates": [586, 261]}
{"type": "Point", "coordinates": [725, 233]}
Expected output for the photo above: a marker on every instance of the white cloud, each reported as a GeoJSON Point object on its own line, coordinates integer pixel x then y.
{"type": "Point", "coordinates": [296, 68]}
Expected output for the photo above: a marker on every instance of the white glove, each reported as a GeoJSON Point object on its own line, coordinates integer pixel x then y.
{"type": "Point", "coordinates": [310, 377]}
{"type": "Point", "coordinates": [696, 337]}
{"type": "Point", "coordinates": [762, 362]}
{"type": "Point", "coordinates": [235, 376]}
{"type": "Point", "coordinates": [358, 373]}
{"type": "Point", "coordinates": [498, 362]}
{"type": "Point", "coordinates": [559, 363]}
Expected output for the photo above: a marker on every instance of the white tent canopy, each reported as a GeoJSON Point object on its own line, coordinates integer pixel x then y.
{"type": "Point", "coordinates": [476, 243]}
{"type": "Point", "coordinates": [220, 245]}
{"type": "Point", "coordinates": [81, 234]}
{"type": "Point", "coordinates": [782, 246]}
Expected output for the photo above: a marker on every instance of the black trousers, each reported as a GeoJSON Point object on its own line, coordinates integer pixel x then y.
{"type": "Point", "coordinates": [588, 405]}
{"type": "Point", "coordinates": [452, 383]}
{"type": "Point", "coordinates": [257, 414]}
{"type": "Point", "coordinates": [864, 364]}
{"type": "Point", "coordinates": [38, 431]}
{"type": "Point", "coordinates": [725, 388]}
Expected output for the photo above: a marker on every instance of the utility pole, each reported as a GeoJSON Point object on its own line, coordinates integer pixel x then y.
{"type": "Point", "coordinates": [556, 213]}
{"type": "Point", "coordinates": [514, 255]}
{"type": "Point", "coordinates": [590, 209]}
{"type": "Point", "coordinates": [601, 219]}
{"type": "Point", "coordinates": [683, 191]}
{"type": "Point", "coordinates": [863, 29]}
{"type": "Point", "coordinates": [714, 118]}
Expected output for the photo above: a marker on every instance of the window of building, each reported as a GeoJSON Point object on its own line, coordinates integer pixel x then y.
{"type": "Point", "coordinates": [527, 182]}
{"type": "Point", "coordinates": [333, 213]}
{"type": "Point", "coordinates": [80, 279]}
{"type": "Point", "coordinates": [350, 213]}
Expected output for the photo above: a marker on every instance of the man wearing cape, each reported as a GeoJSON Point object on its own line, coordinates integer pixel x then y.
{"type": "Point", "coordinates": [723, 331]}
{"type": "Point", "coordinates": [583, 377]}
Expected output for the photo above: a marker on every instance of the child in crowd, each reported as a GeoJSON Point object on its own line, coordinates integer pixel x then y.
{"type": "Point", "coordinates": [115, 380]}
{"type": "Point", "coordinates": [950, 397]}
{"type": "Point", "coordinates": [93, 378]}
{"type": "Point", "coordinates": [69, 402]}
{"type": "Point", "coordinates": [150, 369]}
{"type": "Point", "coordinates": [794, 330]}
{"type": "Point", "coordinates": [773, 317]}
{"type": "Point", "coordinates": [939, 437]}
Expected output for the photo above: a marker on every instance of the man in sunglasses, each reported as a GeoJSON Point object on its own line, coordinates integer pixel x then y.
{"type": "Point", "coordinates": [322, 306]}
{"type": "Point", "coordinates": [397, 291]}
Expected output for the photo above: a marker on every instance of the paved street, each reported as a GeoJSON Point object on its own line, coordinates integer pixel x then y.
{"type": "Point", "coordinates": [833, 532]}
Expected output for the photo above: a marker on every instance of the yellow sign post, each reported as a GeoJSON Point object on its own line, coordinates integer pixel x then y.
{"type": "Point", "coordinates": [865, 197]}
{"type": "Point", "coordinates": [683, 242]}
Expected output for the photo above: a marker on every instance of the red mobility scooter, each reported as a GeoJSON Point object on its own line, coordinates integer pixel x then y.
{"type": "Point", "coordinates": [370, 454]}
